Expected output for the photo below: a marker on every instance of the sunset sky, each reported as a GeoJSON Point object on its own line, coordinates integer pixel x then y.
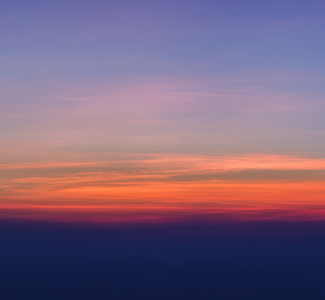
{"type": "Point", "coordinates": [162, 111]}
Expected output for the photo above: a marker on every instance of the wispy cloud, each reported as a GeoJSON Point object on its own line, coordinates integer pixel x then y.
{"type": "Point", "coordinates": [162, 183]}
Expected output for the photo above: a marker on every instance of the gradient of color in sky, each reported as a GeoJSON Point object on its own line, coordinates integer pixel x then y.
{"type": "Point", "coordinates": [115, 111]}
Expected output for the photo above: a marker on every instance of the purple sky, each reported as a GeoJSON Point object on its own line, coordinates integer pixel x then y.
{"type": "Point", "coordinates": [83, 80]}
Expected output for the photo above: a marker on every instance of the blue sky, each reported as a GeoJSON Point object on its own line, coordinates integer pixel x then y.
{"type": "Point", "coordinates": [83, 81]}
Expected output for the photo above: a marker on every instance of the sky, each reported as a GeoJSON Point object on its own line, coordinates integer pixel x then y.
{"type": "Point", "coordinates": [162, 111]}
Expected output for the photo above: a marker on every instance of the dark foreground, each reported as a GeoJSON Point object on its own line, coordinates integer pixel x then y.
{"type": "Point", "coordinates": [261, 260]}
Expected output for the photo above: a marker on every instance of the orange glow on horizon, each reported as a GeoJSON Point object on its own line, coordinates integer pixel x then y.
{"type": "Point", "coordinates": [166, 187]}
